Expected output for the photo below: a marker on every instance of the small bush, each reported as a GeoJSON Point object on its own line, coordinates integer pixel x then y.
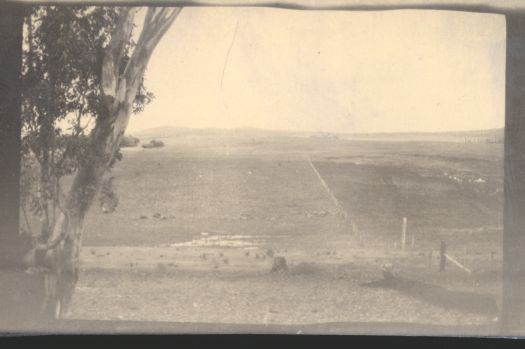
{"type": "Point", "coordinates": [129, 141]}
{"type": "Point", "coordinates": [279, 264]}
{"type": "Point", "coordinates": [153, 144]}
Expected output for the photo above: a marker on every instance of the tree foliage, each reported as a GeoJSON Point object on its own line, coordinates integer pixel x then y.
{"type": "Point", "coordinates": [129, 141]}
{"type": "Point", "coordinates": [98, 78]}
{"type": "Point", "coordinates": [64, 48]}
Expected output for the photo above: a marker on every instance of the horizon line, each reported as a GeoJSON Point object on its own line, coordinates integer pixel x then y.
{"type": "Point", "coordinates": [311, 132]}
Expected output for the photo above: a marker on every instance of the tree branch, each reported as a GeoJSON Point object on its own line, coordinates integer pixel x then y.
{"type": "Point", "coordinates": [156, 23]}
{"type": "Point", "coordinates": [114, 54]}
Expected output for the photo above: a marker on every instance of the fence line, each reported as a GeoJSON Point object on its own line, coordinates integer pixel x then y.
{"type": "Point", "coordinates": [459, 265]}
{"type": "Point", "coordinates": [325, 186]}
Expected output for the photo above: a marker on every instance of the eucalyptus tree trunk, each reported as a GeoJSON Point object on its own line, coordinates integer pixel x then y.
{"type": "Point", "coordinates": [60, 255]}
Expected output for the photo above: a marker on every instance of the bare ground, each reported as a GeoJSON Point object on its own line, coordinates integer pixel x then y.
{"type": "Point", "coordinates": [189, 241]}
{"type": "Point", "coordinates": [335, 282]}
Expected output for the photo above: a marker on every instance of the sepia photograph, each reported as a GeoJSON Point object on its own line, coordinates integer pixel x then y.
{"type": "Point", "coordinates": [254, 169]}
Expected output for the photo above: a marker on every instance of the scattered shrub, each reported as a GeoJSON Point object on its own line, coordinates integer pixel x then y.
{"type": "Point", "coordinates": [279, 264]}
{"type": "Point", "coordinates": [129, 141]}
{"type": "Point", "coordinates": [153, 144]}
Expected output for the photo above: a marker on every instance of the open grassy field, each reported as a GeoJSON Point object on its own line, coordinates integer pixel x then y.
{"type": "Point", "coordinates": [200, 220]}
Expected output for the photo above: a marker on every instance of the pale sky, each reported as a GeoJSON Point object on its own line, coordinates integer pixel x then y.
{"type": "Point", "coordinates": [329, 71]}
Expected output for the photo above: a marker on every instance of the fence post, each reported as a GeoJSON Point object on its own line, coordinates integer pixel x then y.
{"type": "Point", "coordinates": [404, 233]}
{"type": "Point", "coordinates": [442, 257]}
{"type": "Point", "coordinates": [359, 234]}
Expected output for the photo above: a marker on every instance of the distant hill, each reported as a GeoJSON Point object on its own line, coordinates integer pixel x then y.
{"type": "Point", "coordinates": [474, 136]}
{"type": "Point", "coordinates": [171, 131]}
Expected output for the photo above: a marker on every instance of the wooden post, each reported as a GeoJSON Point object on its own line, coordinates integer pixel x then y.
{"type": "Point", "coordinates": [442, 256]}
{"type": "Point", "coordinates": [358, 234]}
{"type": "Point", "coordinates": [404, 234]}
